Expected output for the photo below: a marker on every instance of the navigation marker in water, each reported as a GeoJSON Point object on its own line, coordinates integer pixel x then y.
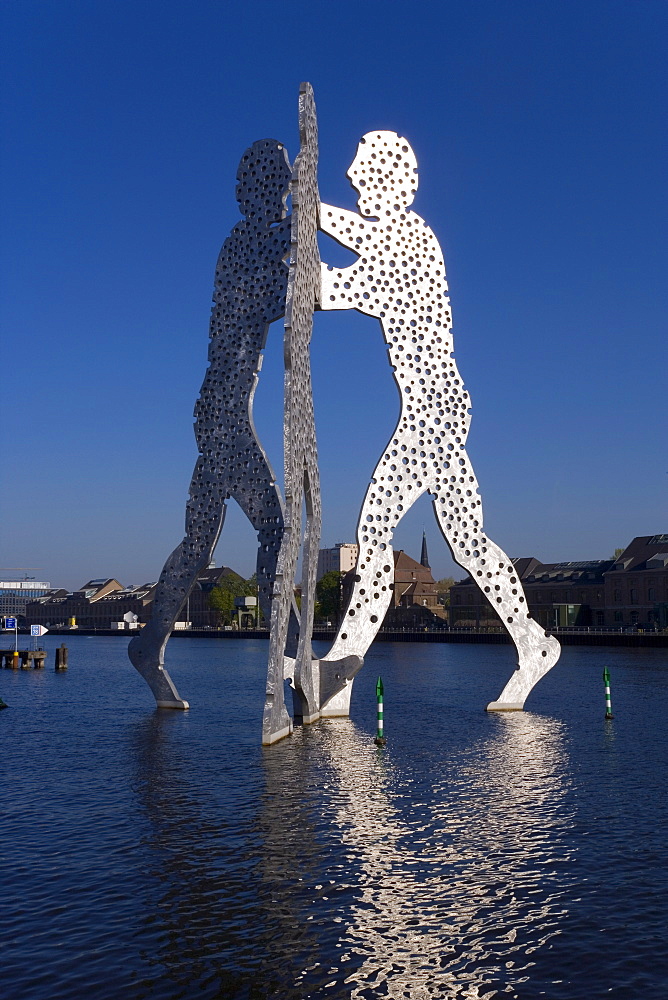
{"type": "Point", "coordinates": [608, 703]}
{"type": "Point", "coordinates": [380, 740]}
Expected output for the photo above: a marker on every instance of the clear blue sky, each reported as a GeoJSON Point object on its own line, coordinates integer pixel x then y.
{"type": "Point", "coordinates": [540, 133]}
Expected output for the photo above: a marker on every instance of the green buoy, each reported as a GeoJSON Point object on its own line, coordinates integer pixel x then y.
{"type": "Point", "coordinates": [380, 740]}
{"type": "Point", "coordinates": [608, 703]}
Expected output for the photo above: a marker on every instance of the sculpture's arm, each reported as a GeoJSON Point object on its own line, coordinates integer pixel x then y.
{"type": "Point", "coordinates": [344, 226]}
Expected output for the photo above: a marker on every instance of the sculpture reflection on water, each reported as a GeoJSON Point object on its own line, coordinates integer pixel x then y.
{"type": "Point", "coordinates": [341, 870]}
{"type": "Point", "coordinates": [445, 882]}
{"type": "Point", "coordinates": [399, 279]}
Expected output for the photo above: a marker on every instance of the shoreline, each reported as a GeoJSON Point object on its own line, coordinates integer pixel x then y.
{"type": "Point", "coordinates": [591, 637]}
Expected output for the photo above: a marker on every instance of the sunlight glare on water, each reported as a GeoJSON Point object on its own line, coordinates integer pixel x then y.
{"type": "Point", "coordinates": [152, 854]}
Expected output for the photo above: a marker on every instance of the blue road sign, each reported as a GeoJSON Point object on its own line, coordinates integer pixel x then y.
{"type": "Point", "coordinates": [10, 622]}
{"type": "Point", "coordinates": [34, 630]}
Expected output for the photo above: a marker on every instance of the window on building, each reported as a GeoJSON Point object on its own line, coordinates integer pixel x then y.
{"type": "Point", "coordinates": [650, 593]}
{"type": "Point", "coordinates": [600, 617]}
{"type": "Point", "coordinates": [634, 617]}
{"type": "Point", "coordinates": [619, 617]}
{"type": "Point", "coordinates": [617, 596]}
{"type": "Point", "coordinates": [633, 596]}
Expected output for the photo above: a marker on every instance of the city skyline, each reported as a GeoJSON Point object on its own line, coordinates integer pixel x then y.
{"type": "Point", "coordinates": [458, 573]}
{"type": "Point", "coordinates": [537, 133]}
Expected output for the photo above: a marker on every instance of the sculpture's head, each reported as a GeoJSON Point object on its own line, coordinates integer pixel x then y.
{"type": "Point", "coordinates": [384, 173]}
{"type": "Point", "coordinates": [263, 179]}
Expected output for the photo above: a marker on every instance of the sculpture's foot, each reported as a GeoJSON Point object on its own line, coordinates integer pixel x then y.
{"type": "Point", "coordinates": [146, 657]}
{"type": "Point", "coordinates": [305, 717]}
{"type": "Point", "coordinates": [305, 683]}
{"type": "Point", "coordinates": [276, 723]}
{"type": "Point", "coordinates": [504, 706]}
{"type": "Point", "coordinates": [538, 654]}
{"type": "Point", "coordinates": [302, 710]}
{"type": "Point", "coordinates": [336, 685]}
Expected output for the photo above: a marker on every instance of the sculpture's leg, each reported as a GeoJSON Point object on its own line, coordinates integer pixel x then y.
{"type": "Point", "coordinates": [264, 509]}
{"type": "Point", "coordinates": [537, 652]}
{"type": "Point", "coordinates": [266, 568]}
{"type": "Point", "coordinates": [382, 510]}
{"type": "Point", "coordinates": [276, 723]}
{"type": "Point", "coordinates": [147, 650]}
{"type": "Point", "coordinates": [205, 514]}
{"type": "Point", "coordinates": [459, 514]}
{"type": "Point", "coordinates": [307, 674]}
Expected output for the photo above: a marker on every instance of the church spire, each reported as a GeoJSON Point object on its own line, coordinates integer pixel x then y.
{"type": "Point", "coordinates": [424, 558]}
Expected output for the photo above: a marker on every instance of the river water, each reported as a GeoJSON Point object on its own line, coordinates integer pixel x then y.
{"type": "Point", "coordinates": [149, 854]}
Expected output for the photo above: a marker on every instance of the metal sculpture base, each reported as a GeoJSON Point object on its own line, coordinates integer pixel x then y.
{"type": "Point", "coordinates": [275, 735]}
{"type": "Point", "coordinates": [336, 685]}
{"type": "Point", "coordinates": [531, 670]}
{"type": "Point", "coordinates": [333, 684]}
{"type": "Point", "coordinates": [148, 662]}
{"type": "Point", "coordinates": [338, 706]}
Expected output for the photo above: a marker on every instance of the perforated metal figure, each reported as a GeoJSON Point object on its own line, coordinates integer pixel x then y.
{"type": "Point", "coordinates": [249, 294]}
{"type": "Point", "coordinates": [302, 477]}
{"type": "Point", "coordinates": [399, 278]}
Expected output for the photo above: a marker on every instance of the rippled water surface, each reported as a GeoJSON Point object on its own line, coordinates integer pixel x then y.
{"type": "Point", "coordinates": [149, 854]}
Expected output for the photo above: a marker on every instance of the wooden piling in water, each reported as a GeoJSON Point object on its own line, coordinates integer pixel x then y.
{"type": "Point", "coordinates": [23, 659]}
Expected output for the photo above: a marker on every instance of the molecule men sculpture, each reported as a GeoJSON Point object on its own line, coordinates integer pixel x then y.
{"type": "Point", "coordinates": [399, 279]}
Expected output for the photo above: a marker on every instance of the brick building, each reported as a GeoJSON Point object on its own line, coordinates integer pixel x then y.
{"type": "Point", "coordinates": [96, 605]}
{"type": "Point", "coordinates": [629, 590]}
{"type": "Point", "coordinates": [415, 599]}
{"type": "Point", "coordinates": [636, 584]}
{"type": "Point", "coordinates": [198, 610]}
{"type": "Point", "coordinates": [100, 602]}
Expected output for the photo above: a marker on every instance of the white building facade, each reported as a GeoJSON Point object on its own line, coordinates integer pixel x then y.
{"type": "Point", "coordinates": [340, 559]}
{"type": "Point", "coordinates": [15, 594]}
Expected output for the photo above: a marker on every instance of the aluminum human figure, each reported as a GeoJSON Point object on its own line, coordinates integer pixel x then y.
{"type": "Point", "coordinates": [249, 293]}
{"type": "Point", "coordinates": [399, 278]}
{"type": "Point", "coordinates": [302, 477]}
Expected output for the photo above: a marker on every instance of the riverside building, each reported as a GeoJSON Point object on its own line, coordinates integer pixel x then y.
{"type": "Point", "coordinates": [340, 559]}
{"type": "Point", "coordinates": [15, 595]}
{"type": "Point", "coordinates": [104, 603]}
{"type": "Point", "coordinates": [631, 590]}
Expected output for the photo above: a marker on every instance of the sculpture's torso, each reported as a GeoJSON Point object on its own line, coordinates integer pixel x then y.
{"type": "Point", "coordinates": [400, 279]}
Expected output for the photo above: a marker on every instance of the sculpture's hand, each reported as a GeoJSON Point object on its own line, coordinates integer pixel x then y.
{"type": "Point", "coordinates": [341, 224]}
{"type": "Point", "coordinates": [327, 276]}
